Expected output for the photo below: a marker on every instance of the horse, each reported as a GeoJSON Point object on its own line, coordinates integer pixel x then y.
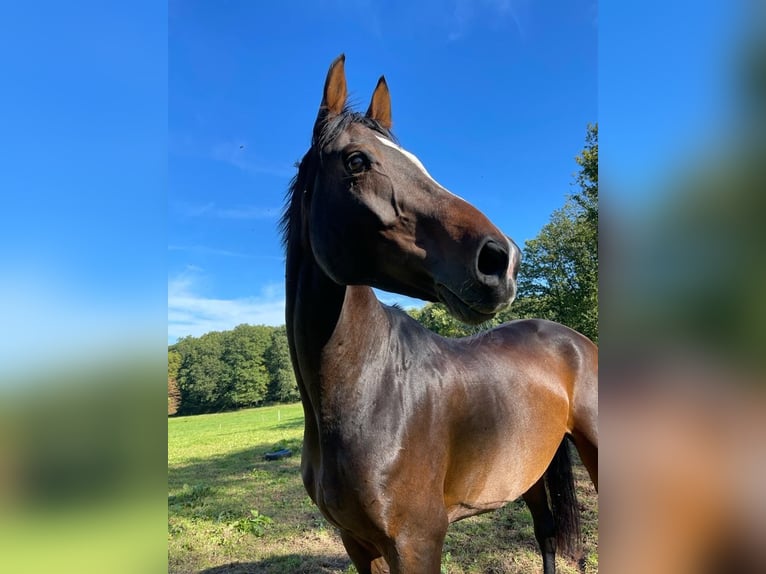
{"type": "Point", "coordinates": [406, 431]}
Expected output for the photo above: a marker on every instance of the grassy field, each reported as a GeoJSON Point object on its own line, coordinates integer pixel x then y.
{"type": "Point", "coordinates": [229, 511]}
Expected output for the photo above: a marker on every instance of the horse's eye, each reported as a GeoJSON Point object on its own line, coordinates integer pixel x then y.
{"type": "Point", "coordinates": [356, 162]}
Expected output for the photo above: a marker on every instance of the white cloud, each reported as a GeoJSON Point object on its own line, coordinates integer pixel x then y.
{"type": "Point", "coordinates": [469, 15]}
{"type": "Point", "coordinates": [233, 152]}
{"type": "Point", "coordinates": [248, 212]}
{"type": "Point", "coordinates": [210, 209]}
{"type": "Point", "coordinates": [395, 299]}
{"type": "Point", "coordinates": [201, 249]}
{"type": "Point", "coordinates": [192, 313]}
{"type": "Point", "coordinates": [239, 156]}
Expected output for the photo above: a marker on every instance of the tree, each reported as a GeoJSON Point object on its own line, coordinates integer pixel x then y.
{"type": "Point", "coordinates": [204, 377]}
{"type": "Point", "coordinates": [246, 378]}
{"type": "Point", "coordinates": [558, 279]}
{"type": "Point", "coordinates": [174, 393]}
{"type": "Point", "coordinates": [587, 179]}
{"type": "Point", "coordinates": [202, 374]}
{"type": "Point", "coordinates": [283, 387]}
{"type": "Point", "coordinates": [230, 369]}
{"type": "Point", "coordinates": [434, 316]}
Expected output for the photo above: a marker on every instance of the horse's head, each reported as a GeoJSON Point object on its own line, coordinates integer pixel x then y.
{"type": "Point", "coordinates": [374, 216]}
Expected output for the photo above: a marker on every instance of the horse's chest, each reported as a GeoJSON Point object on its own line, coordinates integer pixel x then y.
{"type": "Point", "coordinates": [345, 489]}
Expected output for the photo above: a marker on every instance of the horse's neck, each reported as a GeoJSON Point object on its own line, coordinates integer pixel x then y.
{"type": "Point", "coordinates": [324, 318]}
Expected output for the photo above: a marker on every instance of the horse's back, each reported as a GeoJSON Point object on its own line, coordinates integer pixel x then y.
{"type": "Point", "coordinates": [540, 332]}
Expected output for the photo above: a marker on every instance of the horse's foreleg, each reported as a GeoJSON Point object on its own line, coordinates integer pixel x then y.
{"type": "Point", "coordinates": [408, 558]}
{"type": "Point", "coordinates": [544, 525]}
{"type": "Point", "coordinates": [365, 559]}
{"type": "Point", "coordinates": [418, 549]}
{"type": "Point", "coordinates": [380, 566]}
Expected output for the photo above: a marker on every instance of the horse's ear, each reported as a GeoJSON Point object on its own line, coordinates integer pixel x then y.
{"type": "Point", "coordinates": [380, 105]}
{"type": "Point", "coordinates": [334, 96]}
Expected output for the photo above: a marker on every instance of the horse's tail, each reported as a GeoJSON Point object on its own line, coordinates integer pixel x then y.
{"type": "Point", "coordinates": [561, 489]}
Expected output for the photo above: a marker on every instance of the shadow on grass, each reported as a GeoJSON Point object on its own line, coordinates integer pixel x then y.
{"type": "Point", "coordinates": [287, 564]}
{"type": "Point", "coordinates": [236, 466]}
{"type": "Point", "coordinates": [236, 482]}
{"type": "Point", "coordinates": [213, 498]}
{"type": "Point", "coordinates": [251, 513]}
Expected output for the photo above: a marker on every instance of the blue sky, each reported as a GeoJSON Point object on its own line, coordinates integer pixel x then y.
{"type": "Point", "coordinates": [121, 176]}
{"type": "Point", "coordinates": [494, 97]}
{"type": "Point", "coordinates": [83, 142]}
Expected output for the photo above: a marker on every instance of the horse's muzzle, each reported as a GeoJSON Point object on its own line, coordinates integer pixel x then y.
{"type": "Point", "coordinates": [493, 286]}
{"type": "Point", "coordinates": [497, 265]}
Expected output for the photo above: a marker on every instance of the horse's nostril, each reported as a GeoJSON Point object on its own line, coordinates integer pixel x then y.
{"type": "Point", "coordinates": [493, 259]}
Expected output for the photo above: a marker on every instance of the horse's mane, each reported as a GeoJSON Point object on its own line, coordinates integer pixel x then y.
{"type": "Point", "coordinates": [331, 128]}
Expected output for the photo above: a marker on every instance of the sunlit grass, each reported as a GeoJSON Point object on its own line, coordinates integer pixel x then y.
{"type": "Point", "coordinates": [230, 511]}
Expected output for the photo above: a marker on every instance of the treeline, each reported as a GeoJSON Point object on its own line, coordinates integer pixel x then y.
{"type": "Point", "coordinates": [558, 280]}
{"type": "Point", "coordinates": [224, 370]}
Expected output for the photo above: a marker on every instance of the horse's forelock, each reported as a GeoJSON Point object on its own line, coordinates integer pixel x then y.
{"type": "Point", "coordinates": [333, 126]}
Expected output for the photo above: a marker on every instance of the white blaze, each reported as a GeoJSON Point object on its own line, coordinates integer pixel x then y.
{"type": "Point", "coordinates": [414, 159]}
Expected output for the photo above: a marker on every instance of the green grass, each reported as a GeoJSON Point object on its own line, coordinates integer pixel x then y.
{"type": "Point", "coordinates": [231, 512]}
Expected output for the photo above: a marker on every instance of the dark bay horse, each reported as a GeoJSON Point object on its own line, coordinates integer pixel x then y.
{"type": "Point", "coordinates": [406, 431]}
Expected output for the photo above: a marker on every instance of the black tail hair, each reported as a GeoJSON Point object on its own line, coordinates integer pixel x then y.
{"type": "Point", "coordinates": [566, 511]}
